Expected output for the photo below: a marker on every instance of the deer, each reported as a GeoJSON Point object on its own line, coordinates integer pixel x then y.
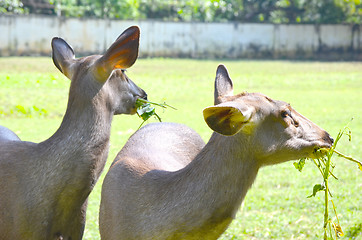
{"type": "Point", "coordinates": [44, 186]}
{"type": "Point", "coordinates": [166, 183]}
{"type": "Point", "coordinates": [7, 135]}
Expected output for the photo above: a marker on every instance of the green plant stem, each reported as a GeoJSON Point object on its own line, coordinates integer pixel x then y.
{"type": "Point", "coordinates": [325, 208]}
{"type": "Point", "coordinates": [318, 166]}
{"type": "Point", "coordinates": [326, 191]}
{"type": "Point", "coordinates": [330, 172]}
{"type": "Point", "coordinates": [347, 157]}
{"type": "Point", "coordinates": [163, 105]}
{"type": "Point", "coordinates": [338, 229]}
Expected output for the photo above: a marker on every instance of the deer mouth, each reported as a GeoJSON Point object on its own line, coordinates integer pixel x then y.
{"type": "Point", "coordinates": [321, 149]}
{"type": "Point", "coordinates": [317, 148]}
{"type": "Point", "coordinates": [135, 106]}
{"type": "Point", "coordinates": [319, 152]}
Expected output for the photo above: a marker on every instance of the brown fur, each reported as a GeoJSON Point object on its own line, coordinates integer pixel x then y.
{"type": "Point", "coordinates": [166, 184]}
{"type": "Point", "coordinates": [44, 186]}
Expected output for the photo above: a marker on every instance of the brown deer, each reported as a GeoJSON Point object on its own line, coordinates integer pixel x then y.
{"type": "Point", "coordinates": [44, 186]}
{"type": "Point", "coordinates": [165, 184]}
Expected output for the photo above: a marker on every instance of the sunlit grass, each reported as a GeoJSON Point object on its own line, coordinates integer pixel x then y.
{"type": "Point", "coordinates": [276, 207]}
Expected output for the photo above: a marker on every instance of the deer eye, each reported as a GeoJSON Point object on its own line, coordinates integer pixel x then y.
{"type": "Point", "coordinates": [296, 123]}
{"type": "Point", "coordinates": [285, 113]}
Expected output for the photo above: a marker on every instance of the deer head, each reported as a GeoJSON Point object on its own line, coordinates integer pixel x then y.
{"type": "Point", "coordinates": [276, 131]}
{"type": "Point", "coordinates": [99, 77]}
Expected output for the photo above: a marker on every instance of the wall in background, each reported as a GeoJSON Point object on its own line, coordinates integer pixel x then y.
{"type": "Point", "coordinates": [32, 34]}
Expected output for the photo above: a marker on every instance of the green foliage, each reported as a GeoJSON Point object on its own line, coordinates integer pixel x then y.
{"type": "Point", "coordinates": [325, 166]}
{"type": "Point", "coordinates": [317, 188]}
{"type": "Point", "coordinates": [11, 6]}
{"type": "Point", "coordinates": [23, 111]}
{"type": "Point", "coordinates": [354, 231]}
{"type": "Point", "coordinates": [299, 164]}
{"type": "Point", "coordinates": [258, 11]}
{"type": "Point", "coordinates": [146, 111]}
{"type": "Point", "coordinates": [126, 9]}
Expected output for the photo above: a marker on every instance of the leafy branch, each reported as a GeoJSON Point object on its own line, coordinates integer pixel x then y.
{"type": "Point", "coordinates": [145, 109]}
{"type": "Point", "coordinates": [324, 163]}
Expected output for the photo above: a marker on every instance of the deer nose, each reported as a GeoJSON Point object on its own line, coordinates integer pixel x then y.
{"type": "Point", "coordinates": [331, 139]}
{"type": "Point", "coordinates": [328, 138]}
{"type": "Point", "coordinates": [143, 95]}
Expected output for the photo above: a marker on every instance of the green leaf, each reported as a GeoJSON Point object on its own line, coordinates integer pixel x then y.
{"type": "Point", "coordinates": [147, 114]}
{"type": "Point", "coordinates": [145, 110]}
{"type": "Point", "coordinates": [300, 164]}
{"type": "Point", "coordinates": [139, 103]}
{"type": "Point", "coordinates": [317, 188]}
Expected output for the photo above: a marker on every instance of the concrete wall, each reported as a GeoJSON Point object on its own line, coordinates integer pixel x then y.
{"type": "Point", "coordinates": [31, 35]}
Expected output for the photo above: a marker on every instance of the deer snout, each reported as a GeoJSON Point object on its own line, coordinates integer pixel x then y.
{"type": "Point", "coordinates": [326, 140]}
{"type": "Point", "coordinates": [143, 95]}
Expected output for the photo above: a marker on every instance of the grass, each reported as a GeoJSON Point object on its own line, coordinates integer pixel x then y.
{"type": "Point", "coordinates": [276, 207]}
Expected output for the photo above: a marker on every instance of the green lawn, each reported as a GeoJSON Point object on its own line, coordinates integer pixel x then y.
{"type": "Point", "coordinates": [33, 98]}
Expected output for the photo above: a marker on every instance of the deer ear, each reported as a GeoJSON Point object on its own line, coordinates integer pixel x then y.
{"type": "Point", "coordinates": [226, 120]}
{"type": "Point", "coordinates": [121, 54]}
{"type": "Point", "coordinates": [223, 84]}
{"type": "Point", "coordinates": [63, 56]}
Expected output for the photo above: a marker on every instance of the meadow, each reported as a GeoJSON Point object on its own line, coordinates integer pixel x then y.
{"type": "Point", "coordinates": [33, 99]}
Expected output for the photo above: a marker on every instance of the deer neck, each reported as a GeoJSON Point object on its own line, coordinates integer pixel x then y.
{"type": "Point", "coordinates": [83, 135]}
{"type": "Point", "coordinates": [221, 175]}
